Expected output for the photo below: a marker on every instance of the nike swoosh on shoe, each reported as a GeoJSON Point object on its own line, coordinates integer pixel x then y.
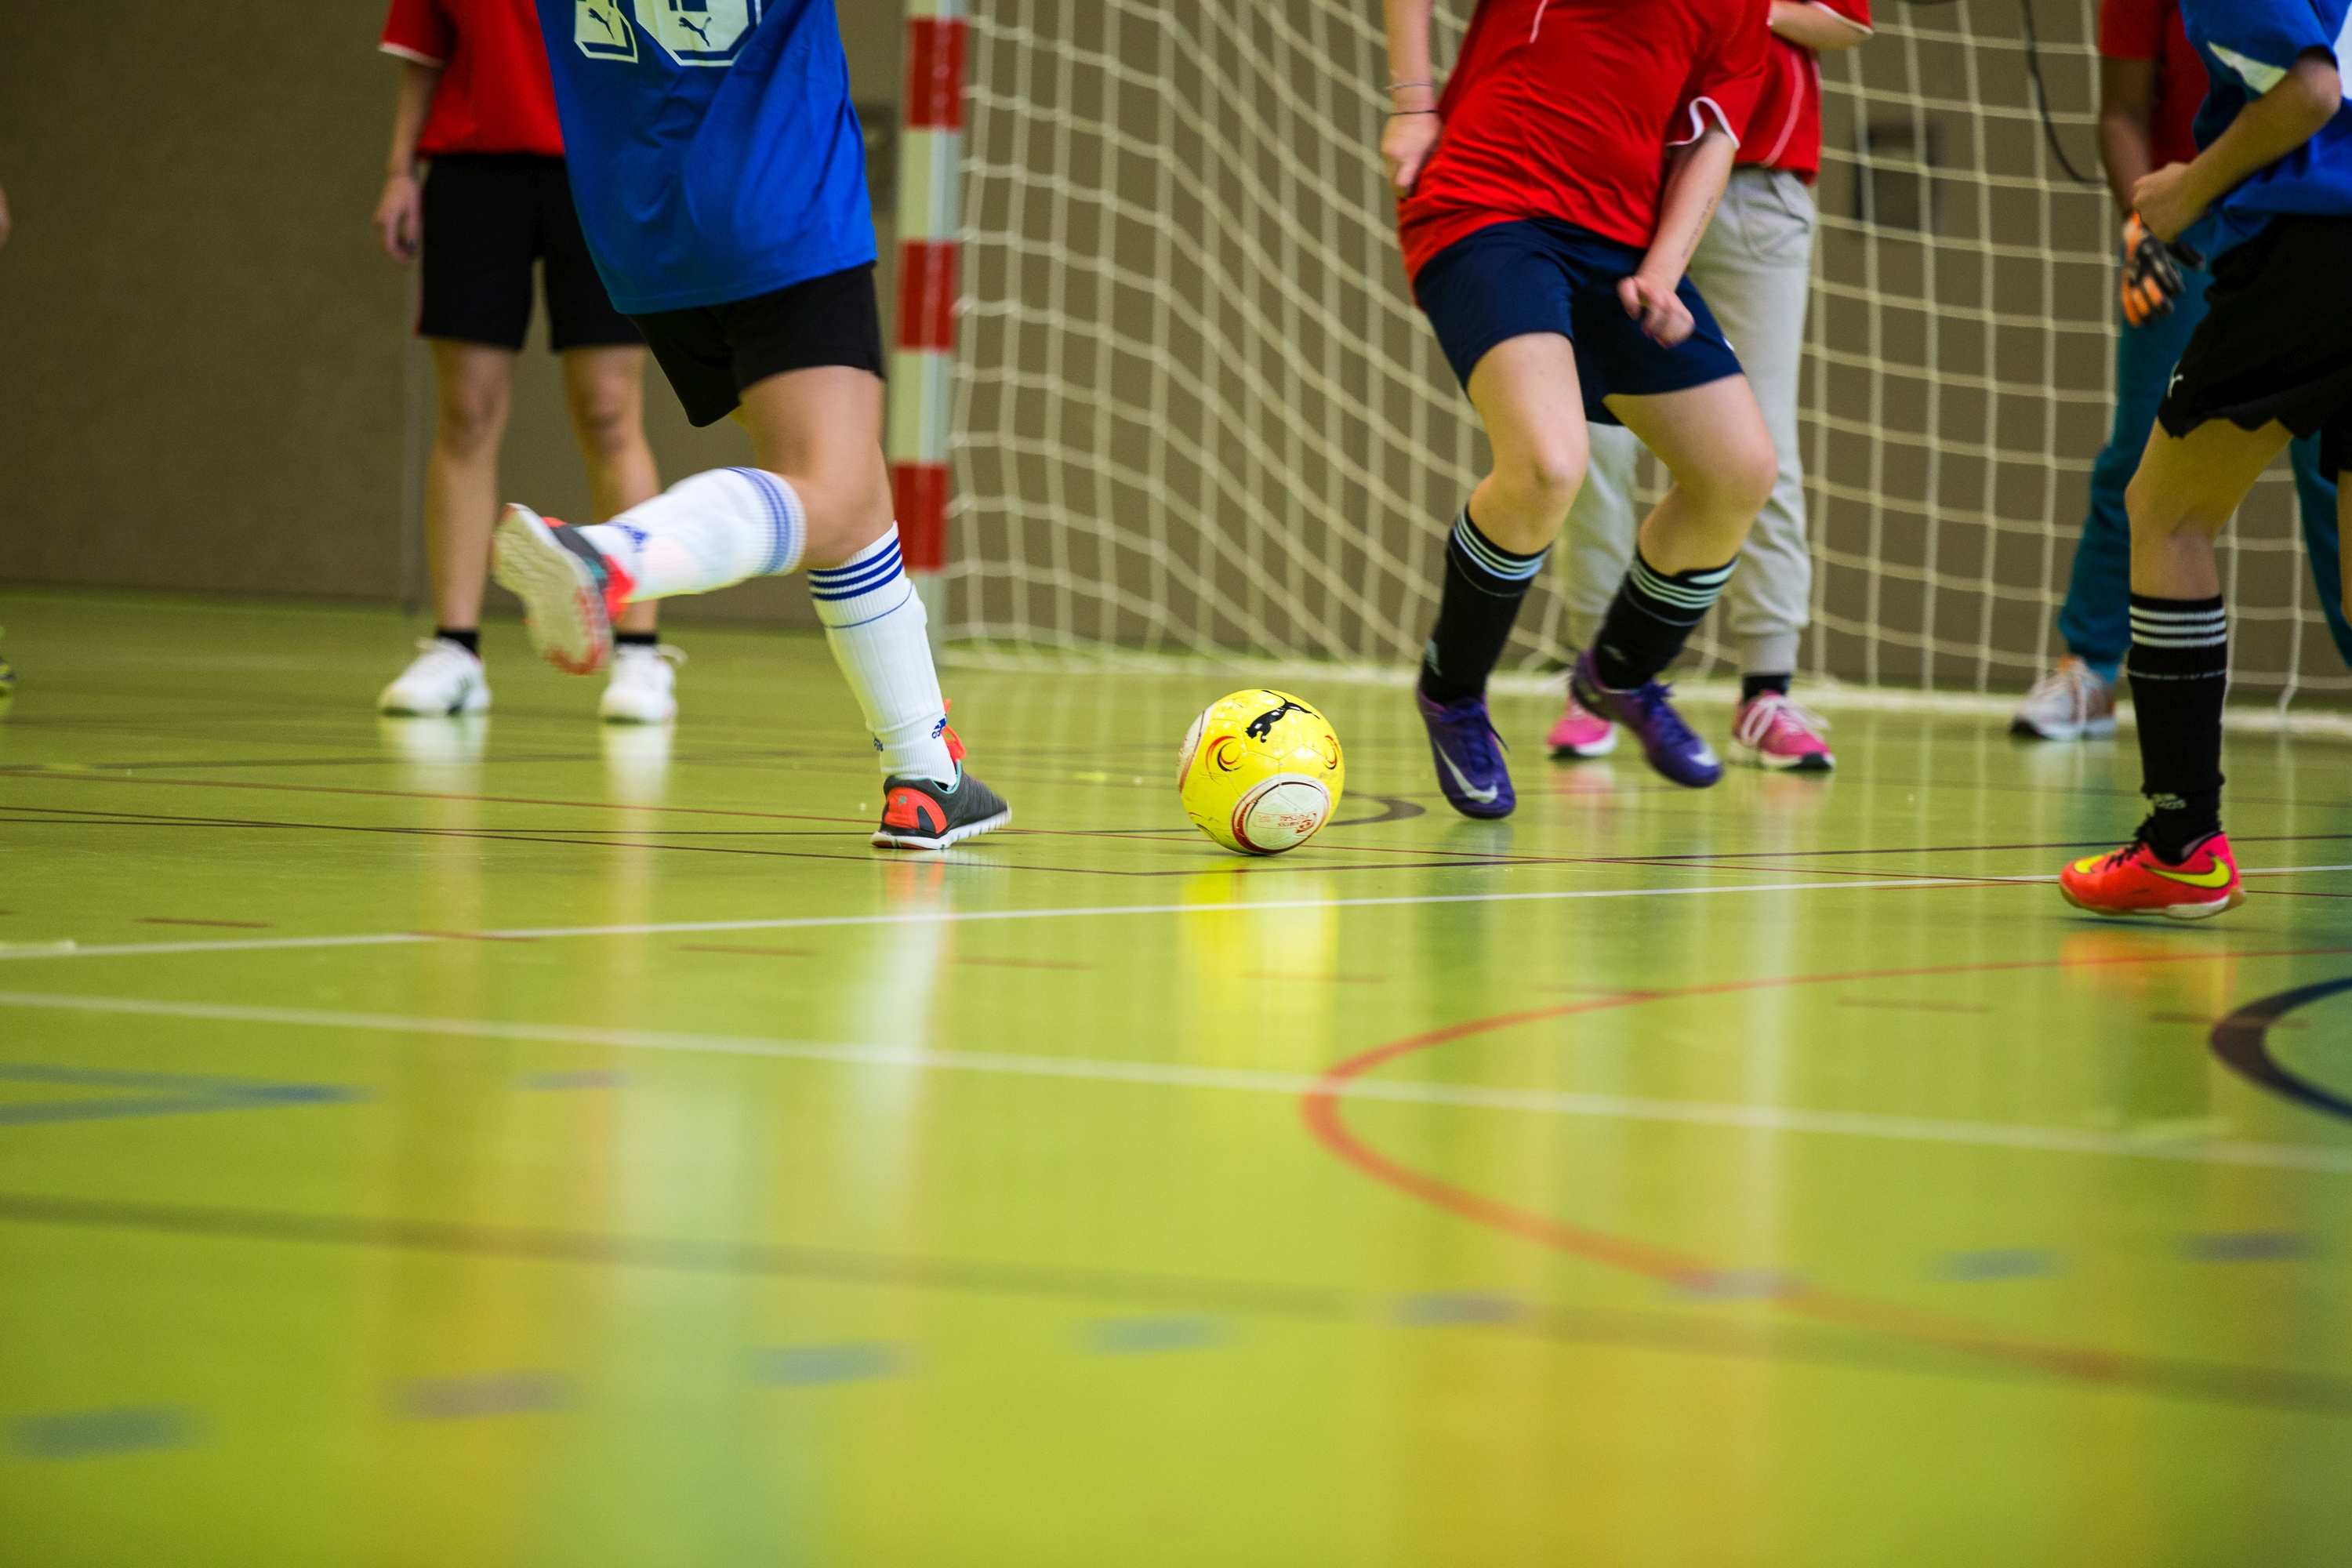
{"type": "Point", "coordinates": [1483, 797]}
{"type": "Point", "coordinates": [2215, 876]}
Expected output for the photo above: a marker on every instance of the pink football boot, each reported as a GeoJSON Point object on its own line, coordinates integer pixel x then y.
{"type": "Point", "coordinates": [1580, 732]}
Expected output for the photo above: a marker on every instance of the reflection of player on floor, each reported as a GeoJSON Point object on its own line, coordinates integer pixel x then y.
{"type": "Point", "coordinates": [2150, 83]}
{"type": "Point", "coordinates": [475, 101]}
{"type": "Point", "coordinates": [725, 205]}
{"type": "Point", "coordinates": [1754, 264]}
{"type": "Point", "coordinates": [1555, 285]}
{"type": "Point", "coordinates": [2271, 361]}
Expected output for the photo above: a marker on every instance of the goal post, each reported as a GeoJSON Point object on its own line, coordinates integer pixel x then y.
{"type": "Point", "coordinates": [1195, 412]}
{"type": "Point", "coordinates": [922, 361]}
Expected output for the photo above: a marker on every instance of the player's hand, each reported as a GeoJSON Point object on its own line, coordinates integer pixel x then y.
{"type": "Point", "coordinates": [2152, 278]}
{"type": "Point", "coordinates": [4, 217]}
{"type": "Point", "coordinates": [2163, 202]}
{"type": "Point", "coordinates": [400, 219]}
{"type": "Point", "coordinates": [1657, 307]}
{"type": "Point", "coordinates": [1405, 146]}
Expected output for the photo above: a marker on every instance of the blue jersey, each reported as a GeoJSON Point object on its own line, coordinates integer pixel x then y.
{"type": "Point", "coordinates": [713, 150]}
{"type": "Point", "coordinates": [2249, 45]}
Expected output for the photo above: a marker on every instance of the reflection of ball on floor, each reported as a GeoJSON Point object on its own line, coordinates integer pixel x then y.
{"type": "Point", "coordinates": [1261, 771]}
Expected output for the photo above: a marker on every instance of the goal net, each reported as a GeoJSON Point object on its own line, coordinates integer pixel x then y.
{"type": "Point", "coordinates": [1196, 411]}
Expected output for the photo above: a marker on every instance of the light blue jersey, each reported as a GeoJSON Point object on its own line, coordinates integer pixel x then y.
{"type": "Point", "coordinates": [2249, 45]}
{"type": "Point", "coordinates": [713, 150]}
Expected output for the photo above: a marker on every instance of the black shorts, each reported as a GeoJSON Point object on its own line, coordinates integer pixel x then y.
{"type": "Point", "coordinates": [712, 353]}
{"type": "Point", "coordinates": [2276, 340]}
{"type": "Point", "coordinates": [1534, 275]}
{"type": "Point", "coordinates": [488, 216]}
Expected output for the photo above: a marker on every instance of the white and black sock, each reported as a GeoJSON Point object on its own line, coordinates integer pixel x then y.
{"type": "Point", "coordinates": [2180, 674]}
{"type": "Point", "coordinates": [875, 621]}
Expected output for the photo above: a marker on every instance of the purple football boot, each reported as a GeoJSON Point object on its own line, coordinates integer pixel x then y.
{"type": "Point", "coordinates": [1469, 756]}
{"type": "Point", "coordinates": [1669, 743]}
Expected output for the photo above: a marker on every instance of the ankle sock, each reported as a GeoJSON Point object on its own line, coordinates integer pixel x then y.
{"type": "Point", "coordinates": [2179, 673]}
{"type": "Point", "coordinates": [705, 531]}
{"type": "Point", "coordinates": [1483, 586]}
{"type": "Point", "coordinates": [875, 621]}
{"type": "Point", "coordinates": [470, 640]}
{"type": "Point", "coordinates": [1652, 616]}
{"type": "Point", "coordinates": [636, 639]}
{"type": "Point", "coordinates": [1751, 686]}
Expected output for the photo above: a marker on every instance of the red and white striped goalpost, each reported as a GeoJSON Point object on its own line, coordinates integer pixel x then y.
{"type": "Point", "coordinates": [922, 366]}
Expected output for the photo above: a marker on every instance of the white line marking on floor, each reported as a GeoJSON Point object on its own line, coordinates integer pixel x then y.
{"type": "Point", "coordinates": [958, 917]}
{"type": "Point", "coordinates": [1613, 1107]}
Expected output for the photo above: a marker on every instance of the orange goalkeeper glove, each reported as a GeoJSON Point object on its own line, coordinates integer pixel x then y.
{"type": "Point", "coordinates": [2152, 279]}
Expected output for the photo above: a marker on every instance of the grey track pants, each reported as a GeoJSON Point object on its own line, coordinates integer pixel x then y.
{"type": "Point", "coordinates": [1754, 266]}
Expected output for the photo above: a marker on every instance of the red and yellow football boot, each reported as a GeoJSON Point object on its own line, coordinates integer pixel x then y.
{"type": "Point", "coordinates": [2132, 882]}
{"type": "Point", "coordinates": [571, 592]}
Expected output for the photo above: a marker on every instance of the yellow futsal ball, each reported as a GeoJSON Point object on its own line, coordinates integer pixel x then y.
{"type": "Point", "coordinates": [1261, 771]}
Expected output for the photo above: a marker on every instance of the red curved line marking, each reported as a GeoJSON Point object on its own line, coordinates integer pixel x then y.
{"type": "Point", "coordinates": [1319, 1109]}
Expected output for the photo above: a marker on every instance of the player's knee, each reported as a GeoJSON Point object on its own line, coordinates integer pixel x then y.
{"type": "Point", "coordinates": [607, 424]}
{"type": "Point", "coordinates": [1546, 478]}
{"type": "Point", "coordinates": [847, 509]}
{"type": "Point", "coordinates": [470, 418]}
{"type": "Point", "coordinates": [2149, 508]}
{"type": "Point", "coordinates": [1738, 481]}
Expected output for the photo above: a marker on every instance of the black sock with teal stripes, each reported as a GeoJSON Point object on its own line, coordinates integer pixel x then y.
{"type": "Point", "coordinates": [1483, 585]}
{"type": "Point", "coordinates": [1652, 616]}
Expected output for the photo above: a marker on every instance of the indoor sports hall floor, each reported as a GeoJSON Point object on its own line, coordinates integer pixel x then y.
{"type": "Point", "coordinates": [522, 1143]}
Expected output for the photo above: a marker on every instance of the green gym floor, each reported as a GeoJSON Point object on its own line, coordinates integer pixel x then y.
{"type": "Point", "coordinates": [522, 1142]}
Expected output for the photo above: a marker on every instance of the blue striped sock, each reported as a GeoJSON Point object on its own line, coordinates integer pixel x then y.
{"type": "Point", "coordinates": [875, 621]}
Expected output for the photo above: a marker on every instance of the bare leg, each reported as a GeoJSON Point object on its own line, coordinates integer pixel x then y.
{"type": "Point", "coordinates": [475, 389]}
{"type": "Point", "coordinates": [1713, 440]}
{"type": "Point", "coordinates": [1527, 395]}
{"type": "Point", "coordinates": [2186, 490]}
{"type": "Point", "coordinates": [603, 391]}
{"type": "Point", "coordinates": [821, 429]}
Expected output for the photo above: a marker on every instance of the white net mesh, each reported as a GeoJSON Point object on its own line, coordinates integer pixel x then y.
{"type": "Point", "coordinates": [1197, 412]}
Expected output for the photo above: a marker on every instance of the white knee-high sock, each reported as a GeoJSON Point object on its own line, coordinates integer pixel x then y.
{"type": "Point", "coordinates": [875, 621]}
{"type": "Point", "coordinates": [705, 532]}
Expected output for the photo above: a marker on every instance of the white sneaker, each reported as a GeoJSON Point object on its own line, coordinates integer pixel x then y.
{"type": "Point", "coordinates": [2070, 703]}
{"type": "Point", "coordinates": [644, 687]}
{"type": "Point", "coordinates": [443, 678]}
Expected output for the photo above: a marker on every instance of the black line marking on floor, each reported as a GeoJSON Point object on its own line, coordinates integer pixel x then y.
{"type": "Point", "coordinates": [1395, 808]}
{"type": "Point", "coordinates": [1206, 856]}
{"type": "Point", "coordinates": [2241, 1041]}
{"type": "Point", "coordinates": [1691, 1331]}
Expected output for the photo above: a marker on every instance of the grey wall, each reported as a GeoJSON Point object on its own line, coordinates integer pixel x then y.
{"type": "Point", "coordinates": [205, 377]}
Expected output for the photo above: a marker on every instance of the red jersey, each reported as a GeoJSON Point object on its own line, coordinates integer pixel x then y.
{"type": "Point", "coordinates": [2151, 30]}
{"type": "Point", "coordinates": [1561, 108]}
{"type": "Point", "coordinates": [1785, 132]}
{"type": "Point", "coordinates": [495, 94]}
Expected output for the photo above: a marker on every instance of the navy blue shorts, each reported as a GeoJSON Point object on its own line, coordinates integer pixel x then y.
{"type": "Point", "coordinates": [1537, 275]}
